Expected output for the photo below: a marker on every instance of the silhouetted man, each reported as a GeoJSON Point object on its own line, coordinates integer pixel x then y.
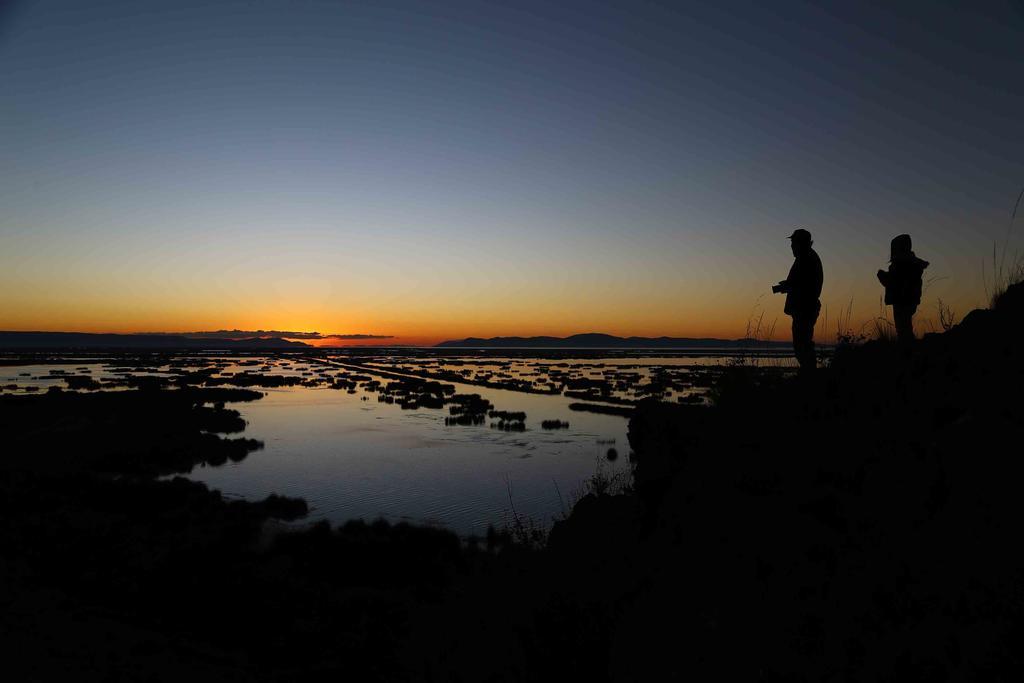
{"type": "Point", "coordinates": [802, 289]}
{"type": "Point", "coordinates": [902, 284]}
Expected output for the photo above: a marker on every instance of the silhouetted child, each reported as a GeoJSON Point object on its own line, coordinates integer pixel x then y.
{"type": "Point", "coordinates": [902, 284]}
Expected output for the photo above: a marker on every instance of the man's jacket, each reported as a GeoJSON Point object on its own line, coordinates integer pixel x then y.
{"type": "Point", "coordinates": [803, 285]}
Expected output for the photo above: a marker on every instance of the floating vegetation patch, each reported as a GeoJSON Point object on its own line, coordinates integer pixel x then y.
{"type": "Point", "coordinates": [507, 416]}
{"type": "Point", "coordinates": [509, 426]}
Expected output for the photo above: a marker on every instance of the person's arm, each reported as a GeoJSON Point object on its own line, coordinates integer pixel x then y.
{"type": "Point", "coordinates": [792, 281]}
{"type": "Point", "coordinates": [883, 277]}
{"type": "Point", "coordinates": [800, 278]}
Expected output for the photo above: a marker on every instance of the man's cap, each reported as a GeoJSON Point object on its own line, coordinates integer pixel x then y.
{"type": "Point", "coordinates": [800, 235]}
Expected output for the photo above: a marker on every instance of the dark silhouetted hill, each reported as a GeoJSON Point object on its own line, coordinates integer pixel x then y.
{"type": "Point", "coordinates": [860, 525]}
{"type": "Point", "coordinates": [596, 340]}
{"type": "Point", "coordinates": [84, 340]}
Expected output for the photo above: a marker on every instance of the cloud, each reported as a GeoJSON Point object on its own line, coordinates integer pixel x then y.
{"type": "Point", "coordinates": [288, 334]}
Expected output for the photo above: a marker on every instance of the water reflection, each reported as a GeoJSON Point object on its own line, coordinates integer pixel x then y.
{"type": "Point", "coordinates": [352, 458]}
{"type": "Point", "coordinates": [384, 435]}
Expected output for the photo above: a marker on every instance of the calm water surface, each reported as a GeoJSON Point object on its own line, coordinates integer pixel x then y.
{"type": "Point", "coordinates": [350, 456]}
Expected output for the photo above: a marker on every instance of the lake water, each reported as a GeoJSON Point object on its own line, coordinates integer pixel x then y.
{"type": "Point", "coordinates": [351, 455]}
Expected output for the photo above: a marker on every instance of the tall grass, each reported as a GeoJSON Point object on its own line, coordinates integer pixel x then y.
{"type": "Point", "coordinates": [821, 350]}
{"type": "Point", "coordinates": [845, 334]}
{"type": "Point", "coordinates": [1007, 266]}
{"type": "Point", "coordinates": [520, 530]}
{"type": "Point", "coordinates": [1005, 272]}
{"type": "Point", "coordinates": [758, 334]}
{"type": "Point", "coordinates": [947, 316]}
{"type": "Point", "coordinates": [603, 483]}
{"type": "Point", "coordinates": [882, 328]}
{"type": "Point", "coordinates": [523, 531]}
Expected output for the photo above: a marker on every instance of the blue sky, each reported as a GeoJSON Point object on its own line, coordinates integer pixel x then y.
{"type": "Point", "coordinates": [437, 169]}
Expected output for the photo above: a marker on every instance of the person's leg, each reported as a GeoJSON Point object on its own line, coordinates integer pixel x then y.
{"type": "Point", "coordinates": [903, 317]}
{"type": "Point", "coordinates": [796, 338]}
{"type": "Point", "coordinates": [812, 359]}
{"type": "Point", "coordinates": [803, 341]}
{"type": "Point", "coordinates": [811, 352]}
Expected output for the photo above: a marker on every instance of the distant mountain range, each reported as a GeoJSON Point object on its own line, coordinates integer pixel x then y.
{"type": "Point", "coordinates": [596, 340]}
{"type": "Point", "coordinates": [84, 340]}
{"type": "Point", "coordinates": [593, 340]}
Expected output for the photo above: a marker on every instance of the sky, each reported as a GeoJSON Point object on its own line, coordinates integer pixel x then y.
{"type": "Point", "coordinates": [437, 170]}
